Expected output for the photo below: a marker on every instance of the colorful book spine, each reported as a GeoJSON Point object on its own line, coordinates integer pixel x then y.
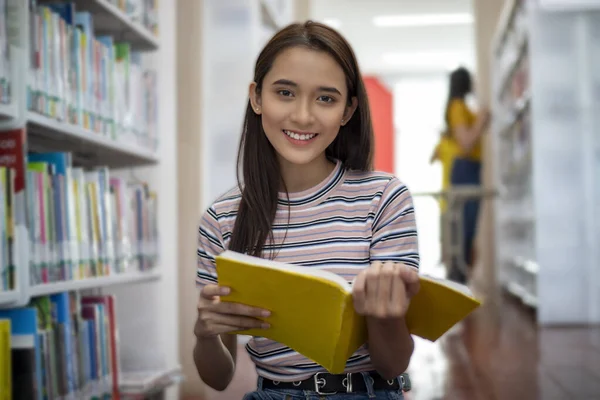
{"type": "Point", "coordinates": [86, 223]}
{"type": "Point", "coordinates": [92, 81]}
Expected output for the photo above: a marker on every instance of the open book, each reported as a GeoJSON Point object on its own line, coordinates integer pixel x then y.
{"type": "Point", "coordinates": [312, 310]}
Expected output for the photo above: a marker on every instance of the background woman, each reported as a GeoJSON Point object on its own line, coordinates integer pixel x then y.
{"type": "Point", "coordinates": [465, 129]}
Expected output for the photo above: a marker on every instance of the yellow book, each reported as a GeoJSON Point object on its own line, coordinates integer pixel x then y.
{"type": "Point", "coordinates": [5, 361]}
{"type": "Point", "coordinates": [312, 310]}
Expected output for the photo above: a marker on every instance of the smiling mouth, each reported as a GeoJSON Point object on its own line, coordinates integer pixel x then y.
{"type": "Point", "coordinates": [300, 136]}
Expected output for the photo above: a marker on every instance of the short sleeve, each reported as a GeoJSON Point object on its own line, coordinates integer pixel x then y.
{"type": "Point", "coordinates": [458, 114]}
{"type": "Point", "coordinates": [210, 245]}
{"type": "Point", "coordinates": [394, 232]}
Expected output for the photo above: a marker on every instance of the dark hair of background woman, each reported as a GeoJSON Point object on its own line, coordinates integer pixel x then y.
{"type": "Point", "coordinates": [460, 87]}
{"type": "Point", "coordinates": [257, 159]}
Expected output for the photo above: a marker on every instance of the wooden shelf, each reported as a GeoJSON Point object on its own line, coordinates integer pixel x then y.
{"type": "Point", "coordinates": [88, 148]}
{"type": "Point", "coordinates": [92, 283]}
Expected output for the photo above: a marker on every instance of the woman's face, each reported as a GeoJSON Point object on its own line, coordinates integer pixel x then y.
{"type": "Point", "coordinates": [303, 104]}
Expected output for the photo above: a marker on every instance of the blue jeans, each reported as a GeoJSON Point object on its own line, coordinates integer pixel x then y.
{"type": "Point", "coordinates": [289, 394]}
{"type": "Point", "coordinates": [466, 172]}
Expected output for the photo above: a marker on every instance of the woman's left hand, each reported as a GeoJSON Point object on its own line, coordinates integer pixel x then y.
{"type": "Point", "coordinates": [384, 290]}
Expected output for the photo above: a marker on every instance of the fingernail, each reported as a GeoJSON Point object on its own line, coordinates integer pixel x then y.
{"type": "Point", "coordinates": [265, 326]}
{"type": "Point", "coordinates": [265, 313]}
{"type": "Point", "coordinates": [225, 291]}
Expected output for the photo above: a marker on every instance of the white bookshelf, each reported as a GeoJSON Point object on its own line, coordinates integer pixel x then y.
{"type": "Point", "coordinates": [149, 295]}
{"type": "Point", "coordinates": [49, 134]}
{"type": "Point", "coordinates": [94, 283]}
{"type": "Point", "coordinates": [545, 60]}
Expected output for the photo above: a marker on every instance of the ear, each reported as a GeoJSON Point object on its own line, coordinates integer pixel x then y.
{"type": "Point", "coordinates": [349, 111]}
{"type": "Point", "coordinates": [254, 99]}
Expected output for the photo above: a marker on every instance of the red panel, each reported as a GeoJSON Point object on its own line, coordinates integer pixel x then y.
{"type": "Point", "coordinates": [382, 115]}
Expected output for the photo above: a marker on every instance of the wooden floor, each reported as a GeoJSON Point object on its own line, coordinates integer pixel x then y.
{"type": "Point", "coordinates": [498, 354]}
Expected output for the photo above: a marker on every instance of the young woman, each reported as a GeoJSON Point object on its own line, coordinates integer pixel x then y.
{"type": "Point", "coordinates": [465, 129]}
{"type": "Point", "coordinates": [308, 196]}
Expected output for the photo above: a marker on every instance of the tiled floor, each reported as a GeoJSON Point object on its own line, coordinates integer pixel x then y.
{"type": "Point", "coordinates": [497, 354]}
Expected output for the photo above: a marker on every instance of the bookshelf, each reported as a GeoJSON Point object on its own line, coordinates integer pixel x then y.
{"type": "Point", "coordinates": [85, 186]}
{"type": "Point", "coordinates": [545, 140]}
{"type": "Point", "coordinates": [48, 134]}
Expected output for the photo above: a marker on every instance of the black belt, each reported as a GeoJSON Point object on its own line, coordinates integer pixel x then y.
{"type": "Point", "coordinates": [328, 384]}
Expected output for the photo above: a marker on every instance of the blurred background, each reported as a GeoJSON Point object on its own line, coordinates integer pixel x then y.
{"type": "Point", "coordinates": [137, 106]}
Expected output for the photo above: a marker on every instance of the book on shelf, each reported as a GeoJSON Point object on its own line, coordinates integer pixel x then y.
{"type": "Point", "coordinates": [5, 360]}
{"type": "Point", "coordinates": [5, 67]}
{"type": "Point", "coordinates": [80, 223]}
{"type": "Point", "coordinates": [96, 82]}
{"type": "Point", "coordinates": [60, 346]}
{"type": "Point", "coordinates": [302, 298]}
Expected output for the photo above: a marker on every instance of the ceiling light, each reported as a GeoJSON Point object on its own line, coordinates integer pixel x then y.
{"type": "Point", "coordinates": [423, 20]}
{"type": "Point", "coordinates": [435, 59]}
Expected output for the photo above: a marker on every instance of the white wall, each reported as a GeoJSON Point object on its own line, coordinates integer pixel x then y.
{"type": "Point", "coordinates": [419, 104]}
{"type": "Point", "coordinates": [230, 38]}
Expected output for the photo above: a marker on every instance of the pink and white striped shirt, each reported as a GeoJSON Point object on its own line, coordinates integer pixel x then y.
{"type": "Point", "coordinates": [342, 225]}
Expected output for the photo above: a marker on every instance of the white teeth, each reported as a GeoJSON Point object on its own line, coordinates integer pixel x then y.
{"type": "Point", "coordinates": [298, 136]}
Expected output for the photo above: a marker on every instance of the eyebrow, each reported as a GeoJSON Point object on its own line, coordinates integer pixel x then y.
{"type": "Point", "coordinates": [287, 82]}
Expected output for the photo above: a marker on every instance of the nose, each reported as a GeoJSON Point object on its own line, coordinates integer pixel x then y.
{"type": "Point", "coordinates": [302, 113]}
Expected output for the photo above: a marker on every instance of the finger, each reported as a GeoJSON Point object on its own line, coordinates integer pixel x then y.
{"type": "Point", "coordinates": [240, 309]}
{"type": "Point", "coordinates": [358, 292]}
{"type": "Point", "coordinates": [409, 274]}
{"type": "Point", "coordinates": [238, 321]}
{"type": "Point", "coordinates": [372, 288]}
{"type": "Point", "coordinates": [398, 295]}
{"type": "Point", "coordinates": [412, 289]}
{"type": "Point", "coordinates": [210, 291]}
{"type": "Point", "coordinates": [385, 283]}
{"type": "Point", "coordinates": [218, 329]}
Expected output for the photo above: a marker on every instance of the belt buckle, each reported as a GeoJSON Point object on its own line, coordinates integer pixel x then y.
{"type": "Point", "coordinates": [405, 382]}
{"type": "Point", "coordinates": [319, 383]}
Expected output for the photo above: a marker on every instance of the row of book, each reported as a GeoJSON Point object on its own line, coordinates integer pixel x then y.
{"type": "Point", "coordinates": [5, 69]}
{"type": "Point", "coordinates": [62, 346]}
{"type": "Point", "coordinates": [81, 223]}
{"type": "Point", "coordinates": [96, 82]}
{"type": "Point", "coordinates": [66, 347]}
{"type": "Point", "coordinates": [86, 223]}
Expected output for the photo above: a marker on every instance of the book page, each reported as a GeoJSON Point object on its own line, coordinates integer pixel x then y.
{"type": "Point", "coordinates": [300, 270]}
{"type": "Point", "coordinates": [450, 284]}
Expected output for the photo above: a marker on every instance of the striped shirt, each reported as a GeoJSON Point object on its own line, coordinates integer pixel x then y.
{"type": "Point", "coordinates": [342, 225]}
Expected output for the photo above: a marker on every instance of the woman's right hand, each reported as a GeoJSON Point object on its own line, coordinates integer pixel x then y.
{"type": "Point", "coordinates": [216, 317]}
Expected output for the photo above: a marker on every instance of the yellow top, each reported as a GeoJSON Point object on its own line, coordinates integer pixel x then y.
{"type": "Point", "coordinates": [460, 114]}
{"type": "Point", "coordinates": [446, 151]}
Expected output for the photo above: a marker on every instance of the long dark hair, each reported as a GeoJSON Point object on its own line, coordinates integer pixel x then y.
{"type": "Point", "coordinates": [257, 160]}
{"type": "Point", "coordinates": [460, 86]}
